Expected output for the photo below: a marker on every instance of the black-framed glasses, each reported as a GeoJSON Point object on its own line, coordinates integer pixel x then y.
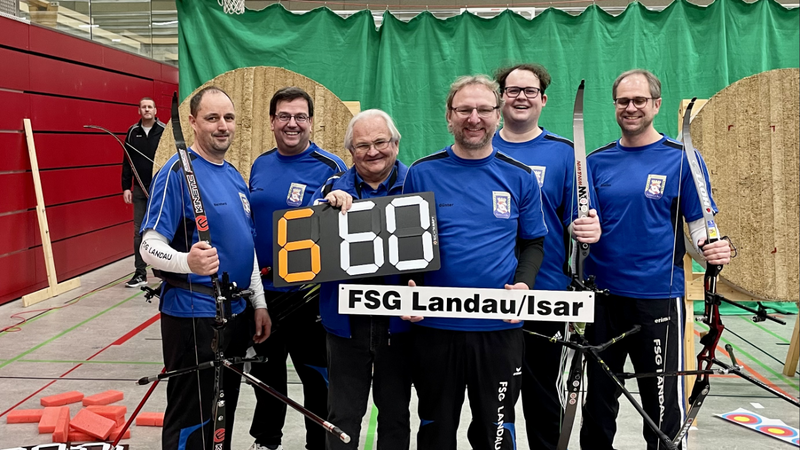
{"type": "Point", "coordinates": [638, 102]}
{"type": "Point", "coordinates": [299, 118]}
{"type": "Point", "coordinates": [530, 91]}
{"type": "Point", "coordinates": [466, 111]}
{"type": "Point", "coordinates": [380, 144]}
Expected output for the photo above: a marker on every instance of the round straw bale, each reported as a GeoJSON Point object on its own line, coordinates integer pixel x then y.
{"type": "Point", "coordinates": [251, 89]}
{"type": "Point", "coordinates": [749, 136]}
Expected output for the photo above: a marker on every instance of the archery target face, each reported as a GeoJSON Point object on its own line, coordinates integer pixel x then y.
{"type": "Point", "coordinates": [777, 431]}
{"type": "Point", "coordinates": [742, 418]}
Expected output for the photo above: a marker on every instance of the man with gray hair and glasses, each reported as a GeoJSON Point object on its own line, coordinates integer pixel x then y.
{"type": "Point", "coordinates": [367, 350]}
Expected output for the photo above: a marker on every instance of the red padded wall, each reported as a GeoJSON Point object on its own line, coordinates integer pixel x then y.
{"type": "Point", "coordinates": [62, 83]}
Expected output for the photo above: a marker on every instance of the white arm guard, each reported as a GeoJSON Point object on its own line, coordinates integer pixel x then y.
{"type": "Point", "coordinates": [155, 250]}
{"type": "Point", "coordinates": [697, 230]}
{"type": "Point", "coordinates": [257, 299]}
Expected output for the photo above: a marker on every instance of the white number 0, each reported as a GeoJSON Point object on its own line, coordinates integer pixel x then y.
{"type": "Point", "coordinates": [377, 242]}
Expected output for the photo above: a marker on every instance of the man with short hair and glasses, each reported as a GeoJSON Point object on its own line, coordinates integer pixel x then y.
{"type": "Point", "coordinates": [491, 233]}
{"type": "Point", "coordinates": [552, 159]}
{"type": "Point", "coordinates": [364, 350]}
{"type": "Point", "coordinates": [645, 190]}
{"type": "Point", "coordinates": [286, 177]}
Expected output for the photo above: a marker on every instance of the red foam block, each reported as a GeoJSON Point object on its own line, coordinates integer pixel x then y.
{"type": "Point", "coordinates": [61, 432]}
{"type": "Point", "coordinates": [113, 412]}
{"type": "Point", "coordinates": [77, 436]}
{"type": "Point", "coordinates": [150, 419]}
{"type": "Point", "coordinates": [92, 424]}
{"type": "Point", "coordinates": [103, 398]}
{"type": "Point", "coordinates": [115, 433]}
{"type": "Point", "coordinates": [24, 416]}
{"type": "Point", "coordinates": [47, 424]}
{"type": "Point", "coordinates": [62, 399]}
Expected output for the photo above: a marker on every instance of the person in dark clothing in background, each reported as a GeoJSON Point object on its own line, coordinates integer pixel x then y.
{"type": "Point", "coordinates": [141, 143]}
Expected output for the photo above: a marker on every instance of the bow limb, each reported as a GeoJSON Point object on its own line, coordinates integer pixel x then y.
{"type": "Point", "coordinates": [711, 316]}
{"type": "Point", "coordinates": [581, 185]}
{"type": "Point", "coordinates": [127, 155]}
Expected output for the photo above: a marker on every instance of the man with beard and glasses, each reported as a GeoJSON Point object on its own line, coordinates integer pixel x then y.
{"type": "Point", "coordinates": [287, 177]}
{"type": "Point", "coordinates": [491, 234]}
{"type": "Point", "coordinates": [171, 244]}
{"type": "Point", "coordinates": [644, 191]}
{"type": "Point", "coordinates": [552, 159]}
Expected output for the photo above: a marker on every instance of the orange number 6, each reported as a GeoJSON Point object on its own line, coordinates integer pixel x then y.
{"type": "Point", "coordinates": [283, 254]}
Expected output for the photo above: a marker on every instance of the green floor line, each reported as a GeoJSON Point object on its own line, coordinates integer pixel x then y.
{"type": "Point", "coordinates": [369, 441]}
{"type": "Point", "coordinates": [9, 361]}
{"type": "Point", "coordinates": [80, 297]}
{"type": "Point", "coordinates": [69, 361]}
{"type": "Point", "coordinates": [739, 352]}
{"type": "Point", "coordinates": [764, 329]}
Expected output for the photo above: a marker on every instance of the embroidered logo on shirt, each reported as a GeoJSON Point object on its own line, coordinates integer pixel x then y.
{"type": "Point", "coordinates": [655, 186]}
{"type": "Point", "coordinates": [245, 203]}
{"type": "Point", "coordinates": [501, 204]}
{"type": "Point", "coordinates": [295, 195]}
{"type": "Point", "coordinates": [539, 171]}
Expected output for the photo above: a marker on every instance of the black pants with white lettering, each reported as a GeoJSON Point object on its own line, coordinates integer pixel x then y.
{"type": "Point", "coordinates": [302, 336]}
{"type": "Point", "coordinates": [540, 391]}
{"type": "Point", "coordinates": [658, 346]}
{"type": "Point", "coordinates": [371, 356]}
{"type": "Point", "coordinates": [488, 364]}
{"type": "Point", "coordinates": [189, 408]}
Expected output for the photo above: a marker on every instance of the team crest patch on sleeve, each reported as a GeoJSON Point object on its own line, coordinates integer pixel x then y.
{"type": "Point", "coordinates": [501, 204]}
{"type": "Point", "coordinates": [655, 186]}
{"type": "Point", "coordinates": [245, 203]}
{"type": "Point", "coordinates": [295, 195]}
{"type": "Point", "coordinates": [539, 171]}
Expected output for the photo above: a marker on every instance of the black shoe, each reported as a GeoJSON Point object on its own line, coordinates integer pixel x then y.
{"type": "Point", "coordinates": [136, 281]}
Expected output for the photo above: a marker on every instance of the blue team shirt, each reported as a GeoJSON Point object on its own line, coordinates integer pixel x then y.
{"type": "Point", "coordinates": [281, 182]}
{"type": "Point", "coordinates": [483, 206]}
{"type": "Point", "coordinates": [637, 193]}
{"type": "Point", "coordinates": [353, 184]}
{"type": "Point", "coordinates": [227, 204]}
{"type": "Point", "coordinates": [552, 159]}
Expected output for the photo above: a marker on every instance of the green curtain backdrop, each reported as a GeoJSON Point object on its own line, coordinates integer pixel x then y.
{"type": "Point", "coordinates": [406, 68]}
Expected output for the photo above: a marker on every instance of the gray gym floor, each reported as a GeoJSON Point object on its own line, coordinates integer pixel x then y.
{"type": "Point", "coordinates": [109, 336]}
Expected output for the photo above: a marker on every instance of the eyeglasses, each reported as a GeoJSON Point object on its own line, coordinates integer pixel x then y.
{"type": "Point", "coordinates": [638, 102]}
{"type": "Point", "coordinates": [530, 92]}
{"type": "Point", "coordinates": [380, 144]}
{"type": "Point", "coordinates": [299, 118]}
{"type": "Point", "coordinates": [466, 111]}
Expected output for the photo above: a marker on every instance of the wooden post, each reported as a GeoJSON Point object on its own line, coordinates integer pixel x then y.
{"type": "Point", "coordinates": [794, 350]}
{"type": "Point", "coordinates": [54, 288]}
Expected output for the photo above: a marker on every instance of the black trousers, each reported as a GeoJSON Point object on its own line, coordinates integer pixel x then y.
{"type": "Point", "coordinates": [488, 364]}
{"type": "Point", "coordinates": [372, 356]}
{"type": "Point", "coordinates": [139, 209]}
{"type": "Point", "coordinates": [189, 407]}
{"type": "Point", "coordinates": [658, 346]}
{"type": "Point", "coordinates": [540, 392]}
{"type": "Point", "coordinates": [302, 336]}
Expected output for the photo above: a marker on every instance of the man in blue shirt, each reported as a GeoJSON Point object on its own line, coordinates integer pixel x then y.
{"type": "Point", "coordinates": [170, 243]}
{"type": "Point", "coordinates": [644, 191]}
{"type": "Point", "coordinates": [286, 177]}
{"type": "Point", "coordinates": [552, 159]}
{"type": "Point", "coordinates": [491, 233]}
{"type": "Point", "coordinates": [364, 350]}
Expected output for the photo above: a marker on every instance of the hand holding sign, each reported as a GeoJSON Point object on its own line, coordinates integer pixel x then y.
{"type": "Point", "coordinates": [412, 319]}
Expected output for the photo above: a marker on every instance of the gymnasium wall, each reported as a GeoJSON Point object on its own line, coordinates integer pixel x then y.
{"type": "Point", "coordinates": [62, 83]}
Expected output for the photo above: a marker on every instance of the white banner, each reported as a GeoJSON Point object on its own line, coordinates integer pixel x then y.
{"type": "Point", "coordinates": [467, 303]}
